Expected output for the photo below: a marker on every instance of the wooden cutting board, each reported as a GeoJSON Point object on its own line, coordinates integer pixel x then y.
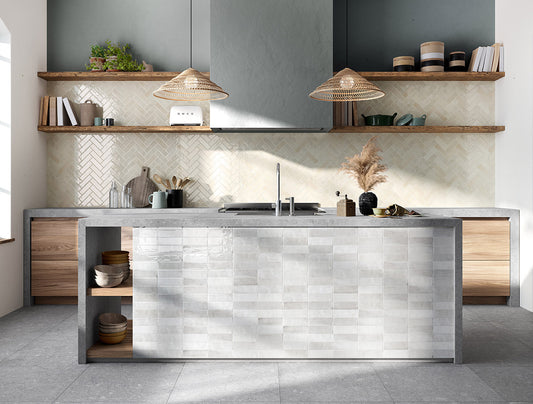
{"type": "Point", "coordinates": [141, 188]}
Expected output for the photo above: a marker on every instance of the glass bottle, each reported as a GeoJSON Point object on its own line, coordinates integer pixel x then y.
{"type": "Point", "coordinates": [113, 196]}
{"type": "Point", "coordinates": [126, 197]}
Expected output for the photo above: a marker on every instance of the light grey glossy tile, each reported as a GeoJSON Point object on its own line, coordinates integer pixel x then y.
{"type": "Point", "coordinates": [227, 382]}
{"type": "Point", "coordinates": [131, 382]}
{"type": "Point", "coordinates": [513, 383]}
{"type": "Point", "coordinates": [327, 381]}
{"type": "Point", "coordinates": [436, 383]}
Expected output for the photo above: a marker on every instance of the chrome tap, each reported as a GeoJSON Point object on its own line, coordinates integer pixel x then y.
{"type": "Point", "coordinates": [278, 201]}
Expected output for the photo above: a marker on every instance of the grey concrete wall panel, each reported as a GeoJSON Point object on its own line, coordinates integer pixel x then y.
{"type": "Point", "coordinates": [379, 30]}
{"type": "Point", "coordinates": [269, 55]}
{"type": "Point", "coordinates": [158, 31]}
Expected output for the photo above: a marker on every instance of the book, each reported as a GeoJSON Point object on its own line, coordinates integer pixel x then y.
{"type": "Point", "coordinates": [60, 120]}
{"type": "Point", "coordinates": [41, 112]}
{"type": "Point", "coordinates": [45, 110]}
{"type": "Point", "coordinates": [501, 68]}
{"type": "Point", "coordinates": [344, 117]}
{"type": "Point", "coordinates": [473, 59]}
{"type": "Point", "coordinates": [349, 113]}
{"type": "Point", "coordinates": [70, 112]}
{"type": "Point", "coordinates": [479, 57]}
{"type": "Point", "coordinates": [53, 111]}
{"type": "Point", "coordinates": [496, 58]}
{"type": "Point", "coordinates": [488, 59]}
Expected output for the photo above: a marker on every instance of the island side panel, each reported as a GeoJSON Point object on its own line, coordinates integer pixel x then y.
{"type": "Point", "coordinates": [293, 293]}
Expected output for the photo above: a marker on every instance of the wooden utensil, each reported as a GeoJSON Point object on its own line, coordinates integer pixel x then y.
{"type": "Point", "coordinates": [167, 184]}
{"type": "Point", "coordinates": [141, 188]}
{"type": "Point", "coordinates": [185, 181]}
{"type": "Point", "coordinates": [174, 182]}
{"type": "Point", "coordinates": [158, 179]}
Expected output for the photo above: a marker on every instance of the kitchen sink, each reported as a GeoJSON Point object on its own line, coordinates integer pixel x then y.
{"type": "Point", "coordinates": [268, 209]}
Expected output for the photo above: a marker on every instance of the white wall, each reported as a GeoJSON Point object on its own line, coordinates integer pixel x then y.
{"type": "Point", "coordinates": [514, 147]}
{"type": "Point", "coordinates": [26, 20]}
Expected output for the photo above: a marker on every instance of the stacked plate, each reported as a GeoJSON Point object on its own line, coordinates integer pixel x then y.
{"type": "Point", "coordinates": [119, 259]}
{"type": "Point", "coordinates": [108, 276]}
{"type": "Point", "coordinates": [112, 328]}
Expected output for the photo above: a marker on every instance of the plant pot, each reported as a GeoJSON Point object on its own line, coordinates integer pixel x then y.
{"type": "Point", "coordinates": [112, 64]}
{"type": "Point", "coordinates": [367, 201]}
{"type": "Point", "coordinates": [97, 64]}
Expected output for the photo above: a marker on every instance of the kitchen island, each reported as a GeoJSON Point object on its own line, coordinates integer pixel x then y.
{"type": "Point", "coordinates": [228, 286]}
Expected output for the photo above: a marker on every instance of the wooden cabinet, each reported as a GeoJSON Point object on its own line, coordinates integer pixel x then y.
{"type": "Point", "coordinates": [54, 257]}
{"type": "Point", "coordinates": [486, 259]}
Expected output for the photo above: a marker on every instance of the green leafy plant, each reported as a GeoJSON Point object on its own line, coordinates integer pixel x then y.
{"type": "Point", "coordinates": [97, 51]}
{"type": "Point", "coordinates": [124, 60]}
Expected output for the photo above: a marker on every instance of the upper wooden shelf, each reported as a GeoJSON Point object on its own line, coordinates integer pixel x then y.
{"type": "Point", "coordinates": [125, 289]}
{"type": "Point", "coordinates": [124, 129]}
{"type": "Point", "coordinates": [418, 129]}
{"type": "Point", "coordinates": [372, 76]}
{"type": "Point", "coordinates": [432, 76]}
{"type": "Point", "coordinates": [108, 76]}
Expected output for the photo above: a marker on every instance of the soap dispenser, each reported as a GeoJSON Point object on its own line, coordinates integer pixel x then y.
{"type": "Point", "coordinates": [345, 206]}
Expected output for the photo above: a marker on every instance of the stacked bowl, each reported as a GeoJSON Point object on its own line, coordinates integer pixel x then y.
{"type": "Point", "coordinates": [112, 328]}
{"type": "Point", "coordinates": [118, 259]}
{"type": "Point", "coordinates": [108, 276]}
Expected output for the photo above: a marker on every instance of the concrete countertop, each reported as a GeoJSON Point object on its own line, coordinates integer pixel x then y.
{"type": "Point", "coordinates": [214, 219]}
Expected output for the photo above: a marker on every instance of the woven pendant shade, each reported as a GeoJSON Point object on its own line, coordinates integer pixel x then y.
{"type": "Point", "coordinates": [346, 85]}
{"type": "Point", "coordinates": [190, 85]}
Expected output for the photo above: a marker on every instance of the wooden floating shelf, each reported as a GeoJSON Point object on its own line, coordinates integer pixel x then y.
{"type": "Point", "coordinates": [418, 129]}
{"type": "Point", "coordinates": [125, 289]}
{"type": "Point", "coordinates": [124, 129]}
{"type": "Point", "coordinates": [432, 76]}
{"type": "Point", "coordinates": [372, 76]}
{"type": "Point", "coordinates": [119, 351]}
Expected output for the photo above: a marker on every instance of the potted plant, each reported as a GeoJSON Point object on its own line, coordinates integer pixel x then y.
{"type": "Point", "coordinates": [97, 59]}
{"type": "Point", "coordinates": [367, 169]}
{"type": "Point", "coordinates": [119, 59]}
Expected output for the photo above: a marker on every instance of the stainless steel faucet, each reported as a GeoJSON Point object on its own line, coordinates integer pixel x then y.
{"type": "Point", "coordinates": [278, 201]}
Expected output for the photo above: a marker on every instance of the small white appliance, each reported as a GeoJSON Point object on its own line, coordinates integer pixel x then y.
{"type": "Point", "coordinates": [186, 115]}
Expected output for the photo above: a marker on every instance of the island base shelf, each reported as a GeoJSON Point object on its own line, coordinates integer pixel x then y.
{"type": "Point", "coordinates": [123, 350]}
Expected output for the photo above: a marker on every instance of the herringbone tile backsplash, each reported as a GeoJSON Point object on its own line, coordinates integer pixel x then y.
{"type": "Point", "coordinates": [445, 170]}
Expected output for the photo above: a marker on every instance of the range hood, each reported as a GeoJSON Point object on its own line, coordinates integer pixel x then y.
{"type": "Point", "coordinates": [269, 55]}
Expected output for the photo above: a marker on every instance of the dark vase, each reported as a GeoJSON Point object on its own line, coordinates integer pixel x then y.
{"type": "Point", "coordinates": [367, 201]}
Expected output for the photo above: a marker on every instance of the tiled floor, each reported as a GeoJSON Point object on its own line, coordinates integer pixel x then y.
{"type": "Point", "coordinates": [38, 363]}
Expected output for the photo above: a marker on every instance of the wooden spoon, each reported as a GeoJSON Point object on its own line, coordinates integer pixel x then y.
{"type": "Point", "coordinates": [174, 182]}
{"type": "Point", "coordinates": [158, 179]}
{"type": "Point", "coordinates": [185, 181]}
{"type": "Point", "coordinates": [167, 184]}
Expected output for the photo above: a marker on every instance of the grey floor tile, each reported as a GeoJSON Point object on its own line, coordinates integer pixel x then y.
{"type": "Point", "coordinates": [436, 383]}
{"type": "Point", "coordinates": [19, 328]}
{"type": "Point", "coordinates": [40, 378]}
{"type": "Point", "coordinates": [330, 381]}
{"type": "Point", "coordinates": [227, 382]}
{"type": "Point", "coordinates": [511, 351]}
{"type": "Point", "coordinates": [123, 382]}
{"type": "Point", "coordinates": [512, 383]}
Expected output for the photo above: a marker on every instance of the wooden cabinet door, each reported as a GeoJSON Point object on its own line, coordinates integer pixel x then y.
{"type": "Point", "coordinates": [486, 240]}
{"type": "Point", "coordinates": [54, 257]}
{"type": "Point", "coordinates": [486, 278]}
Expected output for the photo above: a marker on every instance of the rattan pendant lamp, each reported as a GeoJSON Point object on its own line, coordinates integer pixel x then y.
{"type": "Point", "coordinates": [190, 85]}
{"type": "Point", "coordinates": [346, 85]}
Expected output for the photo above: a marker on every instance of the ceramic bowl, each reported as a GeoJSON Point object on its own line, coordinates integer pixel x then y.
{"type": "Point", "coordinates": [112, 319]}
{"type": "Point", "coordinates": [108, 283]}
{"type": "Point", "coordinates": [108, 270]}
{"type": "Point", "coordinates": [111, 330]}
{"type": "Point", "coordinates": [116, 339]}
{"type": "Point", "coordinates": [112, 334]}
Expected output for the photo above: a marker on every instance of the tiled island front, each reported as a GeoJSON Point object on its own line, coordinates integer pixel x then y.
{"type": "Point", "coordinates": [301, 288]}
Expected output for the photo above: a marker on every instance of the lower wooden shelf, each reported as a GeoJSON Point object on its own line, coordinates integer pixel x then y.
{"type": "Point", "coordinates": [124, 129]}
{"type": "Point", "coordinates": [417, 129]}
{"type": "Point", "coordinates": [120, 351]}
{"type": "Point", "coordinates": [125, 289]}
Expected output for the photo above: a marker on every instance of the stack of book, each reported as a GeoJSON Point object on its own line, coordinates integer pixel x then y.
{"type": "Point", "coordinates": [345, 114]}
{"type": "Point", "coordinates": [56, 111]}
{"type": "Point", "coordinates": [487, 59]}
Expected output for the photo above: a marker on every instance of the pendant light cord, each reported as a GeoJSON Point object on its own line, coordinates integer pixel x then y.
{"type": "Point", "coordinates": [346, 37]}
{"type": "Point", "coordinates": [190, 33]}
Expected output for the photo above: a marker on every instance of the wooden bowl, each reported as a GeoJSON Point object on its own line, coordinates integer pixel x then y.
{"type": "Point", "coordinates": [111, 340]}
{"type": "Point", "coordinates": [112, 319]}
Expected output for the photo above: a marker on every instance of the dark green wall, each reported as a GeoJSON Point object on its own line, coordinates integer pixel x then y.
{"type": "Point", "coordinates": [379, 30]}
{"type": "Point", "coordinates": [158, 31]}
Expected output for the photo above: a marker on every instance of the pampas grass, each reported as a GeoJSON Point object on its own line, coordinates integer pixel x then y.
{"type": "Point", "coordinates": [366, 167]}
